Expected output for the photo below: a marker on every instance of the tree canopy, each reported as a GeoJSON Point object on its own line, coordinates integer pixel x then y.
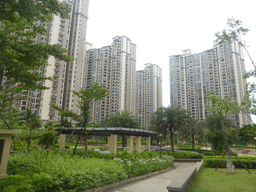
{"type": "Point", "coordinates": [86, 97]}
{"type": "Point", "coordinates": [20, 22]}
{"type": "Point", "coordinates": [170, 119]}
{"type": "Point", "coordinates": [121, 119]}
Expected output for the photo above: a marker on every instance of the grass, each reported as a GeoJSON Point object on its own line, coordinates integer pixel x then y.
{"type": "Point", "coordinates": [209, 180]}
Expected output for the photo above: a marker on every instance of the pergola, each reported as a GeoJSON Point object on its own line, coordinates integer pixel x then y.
{"type": "Point", "coordinates": [112, 133]}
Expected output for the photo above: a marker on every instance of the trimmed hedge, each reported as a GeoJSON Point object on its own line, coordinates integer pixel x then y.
{"type": "Point", "coordinates": [215, 153]}
{"type": "Point", "coordinates": [184, 155]}
{"type": "Point", "coordinates": [212, 162]}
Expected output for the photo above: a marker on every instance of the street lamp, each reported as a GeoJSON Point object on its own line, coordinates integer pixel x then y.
{"type": "Point", "coordinates": [160, 135]}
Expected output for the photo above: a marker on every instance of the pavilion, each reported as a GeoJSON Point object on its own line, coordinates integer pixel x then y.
{"type": "Point", "coordinates": [112, 133]}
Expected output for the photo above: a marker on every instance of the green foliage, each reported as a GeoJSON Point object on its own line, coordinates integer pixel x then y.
{"type": "Point", "coordinates": [48, 139]}
{"type": "Point", "coordinates": [186, 147]}
{"type": "Point", "coordinates": [212, 162]}
{"type": "Point", "coordinates": [233, 32]}
{"type": "Point", "coordinates": [86, 97]}
{"type": "Point", "coordinates": [184, 155]}
{"type": "Point", "coordinates": [49, 171]}
{"type": "Point", "coordinates": [216, 153]}
{"type": "Point", "coordinates": [247, 133]}
{"type": "Point", "coordinates": [65, 123]}
{"type": "Point", "coordinates": [121, 119]}
{"type": "Point", "coordinates": [222, 106]}
{"type": "Point", "coordinates": [169, 119]}
{"type": "Point", "coordinates": [23, 59]}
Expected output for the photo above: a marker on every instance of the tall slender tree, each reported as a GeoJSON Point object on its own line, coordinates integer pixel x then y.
{"type": "Point", "coordinates": [32, 121]}
{"type": "Point", "coordinates": [86, 97]}
{"type": "Point", "coordinates": [223, 107]}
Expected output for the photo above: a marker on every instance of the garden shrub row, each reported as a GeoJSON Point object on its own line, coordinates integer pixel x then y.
{"type": "Point", "coordinates": [184, 155]}
{"type": "Point", "coordinates": [187, 147]}
{"type": "Point", "coordinates": [243, 146]}
{"type": "Point", "coordinates": [216, 153]}
{"type": "Point", "coordinates": [49, 171]}
{"type": "Point", "coordinates": [212, 162]}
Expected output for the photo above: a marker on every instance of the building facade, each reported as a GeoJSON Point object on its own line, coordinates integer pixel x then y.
{"type": "Point", "coordinates": [115, 67]}
{"type": "Point", "coordinates": [193, 76]}
{"type": "Point", "coordinates": [148, 92]}
{"type": "Point", "coordinates": [71, 35]}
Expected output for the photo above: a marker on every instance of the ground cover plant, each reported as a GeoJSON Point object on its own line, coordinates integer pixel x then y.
{"type": "Point", "coordinates": [208, 180]}
{"type": "Point", "coordinates": [52, 171]}
{"type": "Point", "coordinates": [212, 162]}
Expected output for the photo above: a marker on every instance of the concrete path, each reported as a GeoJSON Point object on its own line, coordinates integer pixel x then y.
{"type": "Point", "coordinates": [156, 183]}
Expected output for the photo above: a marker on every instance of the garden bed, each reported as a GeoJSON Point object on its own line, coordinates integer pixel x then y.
{"type": "Point", "coordinates": [49, 171]}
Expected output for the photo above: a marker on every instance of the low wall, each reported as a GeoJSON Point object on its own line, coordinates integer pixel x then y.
{"type": "Point", "coordinates": [183, 181]}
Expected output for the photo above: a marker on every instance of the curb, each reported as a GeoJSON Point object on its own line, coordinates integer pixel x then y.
{"type": "Point", "coordinates": [112, 186]}
{"type": "Point", "coordinates": [187, 160]}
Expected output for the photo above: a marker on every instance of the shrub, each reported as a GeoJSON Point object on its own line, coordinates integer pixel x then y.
{"type": "Point", "coordinates": [49, 171]}
{"type": "Point", "coordinates": [216, 153]}
{"type": "Point", "coordinates": [212, 162]}
{"type": "Point", "coordinates": [184, 155]}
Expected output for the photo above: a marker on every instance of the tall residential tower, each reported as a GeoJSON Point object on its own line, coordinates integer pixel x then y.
{"type": "Point", "coordinates": [148, 92]}
{"type": "Point", "coordinates": [71, 35]}
{"type": "Point", "coordinates": [114, 66]}
{"type": "Point", "coordinates": [193, 76]}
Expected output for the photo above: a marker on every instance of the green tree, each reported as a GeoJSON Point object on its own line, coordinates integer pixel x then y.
{"type": "Point", "coordinates": [170, 119]}
{"type": "Point", "coordinates": [234, 32]}
{"type": "Point", "coordinates": [223, 107]}
{"type": "Point", "coordinates": [32, 121]}
{"type": "Point", "coordinates": [214, 135]}
{"type": "Point", "coordinates": [86, 97]}
{"type": "Point", "coordinates": [20, 22]}
{"type": "Point", "coordinates": [121, 119]}
{"type": "Point", "coordinates": [247, 133]}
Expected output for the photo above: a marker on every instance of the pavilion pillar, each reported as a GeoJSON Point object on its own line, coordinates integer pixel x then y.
{"type": "Point", "coordinates": [148, 144]}
{"type": "Point", "coordinates": [5, 146]}
{"type": "Point", "coordinates": [138, 144]}
{"type": "Point", "coordinates": [129, 147]}
{"type": "Point", "coordinates": [112, 143]}
{"type": "Point", "coordinates": [62, 141]}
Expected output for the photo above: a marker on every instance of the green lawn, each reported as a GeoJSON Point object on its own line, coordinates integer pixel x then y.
{"type": "Point", "coordinates": [209, 180]}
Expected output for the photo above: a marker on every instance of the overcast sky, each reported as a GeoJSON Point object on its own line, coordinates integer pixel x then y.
{"type": "Point", "coordinates": [161, 28]}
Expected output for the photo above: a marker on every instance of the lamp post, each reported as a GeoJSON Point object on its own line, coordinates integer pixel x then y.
{"type": "Point", "coordinates": [160, 135]}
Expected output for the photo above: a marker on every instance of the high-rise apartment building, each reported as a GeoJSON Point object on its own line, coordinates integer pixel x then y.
{"type": "Point", "coordinates": [193, 76]}
{"type": "Point", "coordinates": [71, 35]}
{"type": "Point", "coordinates": [148, 92]}
{"type": "Point", "coordinates": [113, 66]}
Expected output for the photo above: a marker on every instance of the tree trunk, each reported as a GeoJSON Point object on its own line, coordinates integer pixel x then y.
{"type": "Point", "coordinates": [29, 139]}
{"type": "Point", "coordinates": [124, 139]}
{"type": "Point", "coordinates": [193, 140]}
{"type": "Point", "coordinates": [74, 152]}
{"type": "Point", "coordinates": [172, 139]}
{"type": "Point", "coordinates": [229, 166]}
{"type": "Point", "coordinates": [85, 143]}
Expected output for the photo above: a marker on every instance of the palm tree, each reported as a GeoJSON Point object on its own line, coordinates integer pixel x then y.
{"type": "Point", "coordinates": [121, 119]}
{"type": "Point", "coordinates": [170, 119]}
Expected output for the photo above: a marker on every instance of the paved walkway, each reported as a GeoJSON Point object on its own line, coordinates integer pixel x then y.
{"type": "Point", "coordinates": [156, 183]}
